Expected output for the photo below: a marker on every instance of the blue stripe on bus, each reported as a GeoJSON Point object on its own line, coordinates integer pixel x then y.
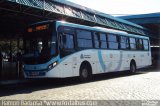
{"type": "Point", "coordinates": [101, 60]}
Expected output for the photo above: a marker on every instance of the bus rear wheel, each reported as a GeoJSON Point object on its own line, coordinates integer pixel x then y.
{"type": "Point", "coordinates": [132, 68]}
{"type": "Point", "coordinates": [85, 73]}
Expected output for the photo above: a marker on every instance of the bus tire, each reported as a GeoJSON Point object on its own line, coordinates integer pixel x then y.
{"type": "Point", "coordinates": [132, 67]}
{"type": "Point", "coordinates": [85, 73]}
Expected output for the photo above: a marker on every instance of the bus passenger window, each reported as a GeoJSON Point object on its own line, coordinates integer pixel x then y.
{"type": "Point", "coordinates": [112, 41]}
{"type": "Point", "coordinates": [100, 40]}
{"type": "Point", "coordinates": [139, 44]}
{"type": "Point", "coordinates": [60, 41]}
{"type": "Point", "coordinates": [124, 43]}
{"type": "Point", "coordinates": [96, 40]}
{"type": "Point", "coordinates": [132, 43]}
{"type": "Point", "coordinates": [96, 44]}
{"type": "Point", "coordinates": [84, 39]}
{"type": "Point", "coordinates": [145, 44]}
{"type": "Point", "coordinates": [68, 41]}
{"type": "Point", "coordinates": [103, 43]}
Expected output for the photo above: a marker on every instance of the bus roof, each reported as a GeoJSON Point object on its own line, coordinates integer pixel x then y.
{"type": "Point", "coordinates": [139, 36]}
{"type": "Point", "coordinates": [96, 28]}
{"type": "Point", "coordinates": [110, 30]}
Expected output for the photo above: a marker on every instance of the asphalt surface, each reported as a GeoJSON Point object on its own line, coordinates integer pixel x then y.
{"type": "Point", "coordinates": [144, 85]}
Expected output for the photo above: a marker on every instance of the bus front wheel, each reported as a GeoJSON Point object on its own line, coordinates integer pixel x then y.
{"type": "Point", "coordinates": [85, 73]}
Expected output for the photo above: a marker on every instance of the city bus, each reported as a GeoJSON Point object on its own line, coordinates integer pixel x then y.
{"type": "Point", "coordinates": [58, 49]}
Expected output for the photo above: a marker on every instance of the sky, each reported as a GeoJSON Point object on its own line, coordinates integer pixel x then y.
{"type": "Point", "coordinates": [121, 7]}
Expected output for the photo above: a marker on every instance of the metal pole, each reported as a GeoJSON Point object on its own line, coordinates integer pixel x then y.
{"type": "Point", "coordinates": [18, 68]}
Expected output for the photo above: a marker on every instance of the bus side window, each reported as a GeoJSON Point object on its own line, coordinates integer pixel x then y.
{"type": "Point", "coordinates": [124, 42]}
{"type": "Point", "coordinates": [113, 41]}
{"type": "Point", "coordinates": [61, 41]}
{"type": "Point", "coordinates": [139, 44]}
{"type": "Point", "coordinates": [66, 41]}
{"type": "Point", "coordinates": [66, 44]}
{"type": "Point", "coordinates": [84, 39]}
{"type": "Point", "coordinates": [145, 44]}
{"type": "Point", "coordinates": [103, 41]}
{"type": "Point", "coordinates": [96, 40]}
{"type": "Point", "coordinates": [132, 43]}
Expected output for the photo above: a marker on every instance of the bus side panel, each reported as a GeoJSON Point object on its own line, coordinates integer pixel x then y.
{"type": "Point", "coordinates": [63, 69]}
{"type": "Point", "coordinates": [109, 61]}
{"type": "Point", "coordinates": [125, 60]}
{"type": "Point", "coordinates": [89, 56]}
{"type": "Point", "coordinates": [70, 65]}
{"type": "Point", "coordinates": [113, 62]}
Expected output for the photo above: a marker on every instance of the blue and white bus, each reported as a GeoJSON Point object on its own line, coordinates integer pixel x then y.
{"type": "Point", "coordinates": [57, 49]}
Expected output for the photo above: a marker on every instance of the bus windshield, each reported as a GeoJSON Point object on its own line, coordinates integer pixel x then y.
{"type": "Point", "coordinates": [39, 47]}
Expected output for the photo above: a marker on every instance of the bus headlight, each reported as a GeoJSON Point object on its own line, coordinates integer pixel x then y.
{"type": "Point", "coordinates": [52, 65]}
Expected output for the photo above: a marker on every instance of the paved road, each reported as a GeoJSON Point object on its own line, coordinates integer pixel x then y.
{"type": "Point", "coordinates": [145, 85]}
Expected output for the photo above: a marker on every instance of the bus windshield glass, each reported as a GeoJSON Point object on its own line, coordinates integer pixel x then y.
{"type": "Point", "coordinates": [40, 47]}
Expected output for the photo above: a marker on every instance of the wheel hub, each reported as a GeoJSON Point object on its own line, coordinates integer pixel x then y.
{"type": "Point", "coordinates": [85, 73]}
{"type": "Point", "coordinates": [133, 68]}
